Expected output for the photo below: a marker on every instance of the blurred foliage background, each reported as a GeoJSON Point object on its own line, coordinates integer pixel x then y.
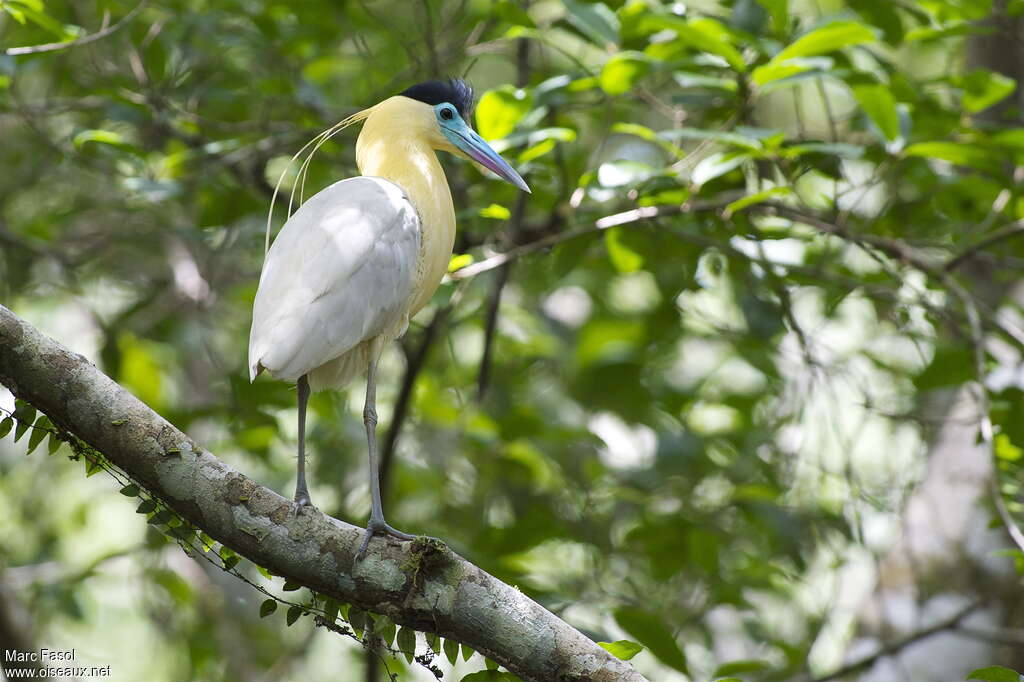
{"type": "Point", "coordinates": [723, 401]}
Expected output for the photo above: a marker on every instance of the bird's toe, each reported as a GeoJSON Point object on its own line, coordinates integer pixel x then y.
{"type": "Point", "coordinates": [301, 502]}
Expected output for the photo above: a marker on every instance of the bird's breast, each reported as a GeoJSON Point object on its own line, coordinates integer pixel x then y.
{"type": "Point", "coordinates": [414, 167]}
{"type": "Point", "coordinates": [437, 239]}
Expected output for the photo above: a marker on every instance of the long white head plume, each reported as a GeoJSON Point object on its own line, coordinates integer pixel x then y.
{"type": "Point", "coordinates": [300, 179]}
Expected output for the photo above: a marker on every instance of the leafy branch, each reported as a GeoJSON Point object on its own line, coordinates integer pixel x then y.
{"type": "Point", "coordinates": [83, 40]}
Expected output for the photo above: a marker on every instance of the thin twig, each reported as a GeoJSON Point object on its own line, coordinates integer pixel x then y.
{"type": "Point", "coordinates": [1008, 232]}
{"type": "Point", "coordinates": [981, 398]}
{"type": "Point", "coordinates": [84, 40]}
{"type": "Point", "coordinates": [626, 217]}
{"type": "Point", "coordinates": [900, 644]}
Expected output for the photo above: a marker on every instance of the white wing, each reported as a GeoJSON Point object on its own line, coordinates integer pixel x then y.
{"type": "Point", "coordinates": [341, 271]}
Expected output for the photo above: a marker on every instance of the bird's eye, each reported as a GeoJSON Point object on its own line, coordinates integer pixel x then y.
{"type": "Point", "coordinates": [447, 114]}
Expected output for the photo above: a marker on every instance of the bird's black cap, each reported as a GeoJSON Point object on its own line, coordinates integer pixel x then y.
{"type": "Point", "coordinates": [455, 91]}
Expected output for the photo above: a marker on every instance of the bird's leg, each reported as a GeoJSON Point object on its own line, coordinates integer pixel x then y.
{"type": "Point", "coordinates": [377, 524]}
{"type": "Point", "coordinates": [301, 491]}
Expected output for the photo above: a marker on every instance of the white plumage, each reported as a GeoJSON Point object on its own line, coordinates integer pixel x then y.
{"type": "Point", "coordinates": [338, 277]}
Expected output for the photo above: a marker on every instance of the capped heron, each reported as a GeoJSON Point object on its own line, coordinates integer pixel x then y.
{"type": "Point", "coordinates": [357, 260]}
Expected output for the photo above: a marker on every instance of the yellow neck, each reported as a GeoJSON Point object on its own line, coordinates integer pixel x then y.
{"type": "Point", "coordinates": [387, 149]}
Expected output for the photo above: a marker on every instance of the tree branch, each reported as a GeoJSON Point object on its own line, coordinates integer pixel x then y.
{"type": "Point", "coordinates": [626, 217]}
{"type": "Point", "coordinates": [950, 623]}
{"type": "Point", "coordinates": [420, 584]}
{"type": "Point", "coordinates": [1017, 228]}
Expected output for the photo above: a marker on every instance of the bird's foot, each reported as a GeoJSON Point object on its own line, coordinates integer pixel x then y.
{"type": "Point", "coordinates": [301, 500]}
{"type": "Point", "coordinates": [380, 527]}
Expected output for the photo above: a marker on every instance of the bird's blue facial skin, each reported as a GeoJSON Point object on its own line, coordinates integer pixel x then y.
{"type": "Point", "coordinates": [465, 138]}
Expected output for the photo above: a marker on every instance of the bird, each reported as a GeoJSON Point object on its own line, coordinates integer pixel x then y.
{"type": "Point", "coordinates": [357, 260]}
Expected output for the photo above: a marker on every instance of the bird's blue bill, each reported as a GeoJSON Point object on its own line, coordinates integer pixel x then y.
{"type": "Point", "coordinates": [467, 139]}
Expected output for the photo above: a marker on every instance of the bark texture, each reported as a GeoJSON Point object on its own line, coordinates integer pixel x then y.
{"type": "Point", "coordinates": [419, 584]}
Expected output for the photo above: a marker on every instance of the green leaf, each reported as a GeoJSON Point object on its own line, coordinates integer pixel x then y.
{"type": "Point", "coordinates": [883, 15]}
{"type": "Point", "coordinates": [406, 643]}
{"type": "Point", "coordinates": [534, 137]}
{"type": "Point", "coordinates": [961, 154]}
{"type": "Point", "coordinates": [25, 415]}
{"type": "Point", "coordinates": [706, 35]}
{"type": "Point", "coordinates": [622, 649]}
{"type": "Point", "coordinates": [641, 131]}
{"type": "Point", "coordinates": [490, 676]}
{"type": "Point", "coordinates": [357, 619]}
{"type": "Point", "coordinates": [93, 467]}
{"type": "Point", "coordinates": [982, 89]}
{"type": "Point", "coordinates": [489, 664]}
{"type": "Point", "coordinates": [741, 666]}
{"type": "Point", "coordinates": [161, 517]}
{"type": "Point", "coordinates": [467, 653]}
{"type": "Point", "coordinates": [37, 436]}
{"type": "Point", "coordinates": [772, 71]}
{"type": "Point", "coordinates": [996, 673]}
{"type": "Point", "coordinates": [536, 151]}
{"type": "Point", "coordinates": [146, 506]}
{"type": "Point", "coordinates": [290, 586]}
{"type": "Point", "coordinates": [716, 165]}
{"type": "Point", "coordinates": [622, 71]}
{"type": "Point", "coordinates": [690, 79]}
{"type": "Point", "coordinates": [17, 14]}
{"type": "Point", "coordinates": [331, 608]}
{"type": "Point", "coordinates": [53, 444]}
{"type": "Point", "coordinates": [622, 257]}
{"type": "Point", "coordinates": [451, 650]}
{"type": "Point", "coordinates": [500, 110]}
{"type": "Point", "coordinates": [130, 490]}
{"type": "Point", "coordinates": [794, 59]}
{"type": "Point", "coordinates": [5, 426]}
{"type": "Point", "coordinates": [779, 12]}
{"type": "Point", "coordinates": [45, 21]}
{"type": "Point", "coordinates": [879, 104]}
{"type": "Point", "coordinates": [512, 13]}
{"type": "Point", "coordinates": [385, 629]}
{"type": "Point", "coordinates": [1005, 449]}
{"type": "Point", "coordinates": [649, 629]}
{"type": "Point", "coordinates": [107, 137]}
{"type": "Point", "coordinates": [825, 39]}
{"type": "Point", "coordinates": [433, 641]}
{"type": "Point", "coordinates": [36, 5]}
{"type": "Point", "coordinates": [726, 137]}
{"type": "Point", "coordinates": [293, 615]}
{"type": "Point", "coordinates": [927, 34]}
{"type": "Point", "coordinates": [841, 149]}
{"type": "Point", "coordinates": [183, 532]}
{"type": "Point", "coordinates": [495, 211]}
{"type": "Point", "coordinates": [460, 261]}
{"type": "Point", "coordinates": [268, 607]}
{"type": "Point", "coordinates": [594, 20]}
{"type": "Point", "coordinates": [752, 199]}
{"type": "Point", "coordinates": [645, 133]}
